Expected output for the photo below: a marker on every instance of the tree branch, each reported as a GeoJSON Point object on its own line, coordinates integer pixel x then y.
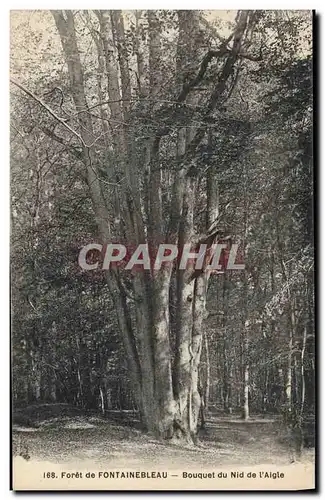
{"type": "Point", "coordinates": [49, 110]}
{"type": "Point", "coordinates": [58, 139]}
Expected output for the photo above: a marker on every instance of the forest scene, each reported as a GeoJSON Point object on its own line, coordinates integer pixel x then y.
{"type": "Point", "coordinates": [176, 127]}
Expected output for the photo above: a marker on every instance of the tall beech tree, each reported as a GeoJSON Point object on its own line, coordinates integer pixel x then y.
{"type": "Point", "coordinates": [166, 388]}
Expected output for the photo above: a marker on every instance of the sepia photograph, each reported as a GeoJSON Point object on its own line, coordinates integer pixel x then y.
{"type": "Point", "coordinates": [162, 250]}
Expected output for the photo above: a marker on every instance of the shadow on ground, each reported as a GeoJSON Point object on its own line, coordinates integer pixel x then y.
{"type": "Point", "coordinates": [62, 434]}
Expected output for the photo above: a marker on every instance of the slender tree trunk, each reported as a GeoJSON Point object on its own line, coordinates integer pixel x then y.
{"type": "Point", "coordinates": [302, 372]}
{"type": "Point", "coordinates": [225, 352]}
{"type": "Point", "coordinates": [142, 87]}
{"type": "Point", "coordinates": [245, 326]}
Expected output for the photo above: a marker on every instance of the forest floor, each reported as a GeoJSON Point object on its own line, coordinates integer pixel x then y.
{"type": "Point", "coordinates": [68, 435]}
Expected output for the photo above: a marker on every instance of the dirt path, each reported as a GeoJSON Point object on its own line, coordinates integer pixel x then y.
{"type": "Point", "coordinates": [225, 442]}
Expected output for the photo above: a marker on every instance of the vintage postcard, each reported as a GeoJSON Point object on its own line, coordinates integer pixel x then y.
{"type": "Point", "coordinates": [162, 250]}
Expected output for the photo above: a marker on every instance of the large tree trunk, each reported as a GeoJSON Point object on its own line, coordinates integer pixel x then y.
{"type": "Point", "coordinates": [204, 381]}
{"type": "Point", "coordinates": [168, 401]}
